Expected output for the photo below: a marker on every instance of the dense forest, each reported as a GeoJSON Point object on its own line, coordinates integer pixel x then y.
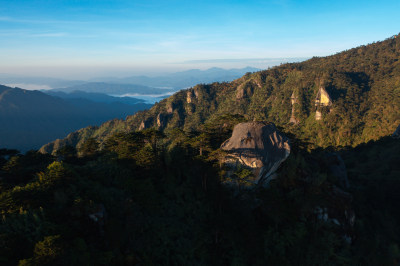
{"type": "Point", "coordinates": [151, 189]}
{"type": "Point", "coordinates": [150, 198]}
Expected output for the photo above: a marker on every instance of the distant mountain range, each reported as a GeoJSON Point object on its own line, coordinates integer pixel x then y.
{"type": "Point", "coordinates": [184, 79]}
{"type": "Point", "coordinates": [113, 89]}
{"type": "Point", "coordinates": [93, 96]}
{"type": "Point", "coordinates": [30, 119]}
{"type": "Point", "coordinates": [130, 85]}
{"type": "Point", "coordinates": [38, 81]}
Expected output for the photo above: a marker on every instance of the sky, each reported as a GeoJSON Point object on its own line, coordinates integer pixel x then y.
{"type": "Point", "coordinates": [91, 38]}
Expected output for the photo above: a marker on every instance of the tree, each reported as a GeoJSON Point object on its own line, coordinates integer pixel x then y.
{"type": "Point", "coordinates": [201, 142]}
{"type": "Point", "coordinates": [67, 152]}
{"type": "Point", "coordinates": [89, 147]}
{"type": "Point", "coordinates": [153, 137]}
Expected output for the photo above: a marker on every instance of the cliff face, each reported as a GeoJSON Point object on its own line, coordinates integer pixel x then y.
{"type": "Point", "coordinates": [360, 88]}
{"type": "Point", "coordinates": [257, 146]}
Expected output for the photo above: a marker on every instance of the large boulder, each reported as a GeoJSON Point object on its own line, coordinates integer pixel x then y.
{"type": "Point", "coordinates": [257, 147]}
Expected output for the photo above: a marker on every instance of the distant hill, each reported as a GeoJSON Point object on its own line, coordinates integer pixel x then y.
{"type": "Point", "coordinates": [159, 85]}
{"type": "Point", "coordinates": [140, 85]}
{"type": "Point", "coordinates": [361, 87]}
{"type": "Point", "coordinates": [30, 119]}
{"type": "Point", "coordinates": [184, 79]}
{"type": "Point", "coordinates": [46, 81]}
{"type": "Point", "coordinates": [113, 89]}
{"type": "Point", "coordinates": [93, 96]}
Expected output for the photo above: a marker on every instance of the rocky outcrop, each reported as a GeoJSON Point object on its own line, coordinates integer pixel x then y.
{"type": "Point", "coordinates": [396, 133]}
{"type": "Point", "coordinates": [322, 100]}
{"type": "Point", "coordinates": [294, 100]}
{"type": "Point", "coordinates": [146, 123]}
{"type": "Point", "coordinates": [170, 108]}
{"type": "Point", "coordinates": [190, 96]}
{"type": "Point", "coordinates": [318, 115]}
{"type": "Point", "coordinates": [240, 94]}
{"type": "Point", "coordinates": [258, 147]}
{"type": "Point", "coordinates": [244, 91]}
{"type": "Point", "coordinates": [142, 125]}
{"type": "Point", "coordinates": [196, 92]}
{"type": "Point", "coordinates": [162, 120]}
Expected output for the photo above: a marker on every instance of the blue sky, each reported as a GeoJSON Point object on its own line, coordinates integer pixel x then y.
{"type": "Point", "coordinates": [93, 38]}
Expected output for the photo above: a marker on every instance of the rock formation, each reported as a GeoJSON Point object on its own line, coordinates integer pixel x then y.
{"type": "Point", "coordinates": [146, 123]}
{"type": "Point", "coordinates": [396, 133]}
{"type": "Point", "coordinates": [240, 94]}
{"type": "Point", "coordinates": [322, 100]}
{"type": "Point", "coordinates": [244, 91]}
{"type": "Point", "coordinates": [142, 125]}
{"type": "Point", "coordinates": [162, 120]}
{"type": "Point", "coordinates": [190, 96]}
{"type": "Point", "coordinates": [294, 100]}
{"type": "Point", "coordinates": [258, 147]}
{"type": "Point", "coordinates": [170, 108]}
{"type": "Point", "coordinates": [196, 92]}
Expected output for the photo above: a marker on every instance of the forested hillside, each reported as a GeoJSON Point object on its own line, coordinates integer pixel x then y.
{"type": "Point", "coordinates": [363, 84]}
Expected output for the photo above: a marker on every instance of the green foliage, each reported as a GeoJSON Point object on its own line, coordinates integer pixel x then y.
{"type": "Point", "coordinates": [67, 152]}
{"type": "Point", "coordinates": [89, 147]}
{"type": "Point", "coordinates": [48, 250]}
{"type": "Point", "coordinates": [243, 177]}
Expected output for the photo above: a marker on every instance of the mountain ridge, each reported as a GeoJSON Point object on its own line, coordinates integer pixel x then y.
{"type": "Point", "coordinates": [93, 96]}
{"type": "Point", "coordinates": [184, 79]}
{"type": "Point", "coordinates": [110, 88]}
{"type": "Point", "coordinates": [33, 118]}
{"type": "Point", "coordinates": [363, 82]}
